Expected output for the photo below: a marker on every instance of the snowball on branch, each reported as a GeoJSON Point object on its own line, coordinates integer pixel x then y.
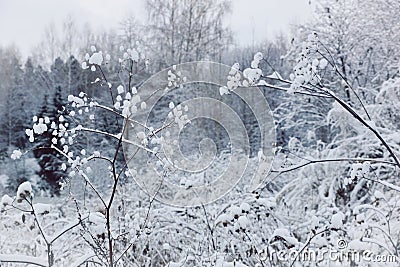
{"type": "Point", "coordinates": [16, 154]}
{"type": "Point", "coordinates": [96, 58]}
{"type": "Point", "coordinates": [24, 191]}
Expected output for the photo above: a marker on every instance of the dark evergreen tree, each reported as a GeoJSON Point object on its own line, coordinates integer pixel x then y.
{"type": "Point", "coordinates": [74, 81]}
{"type": "Point", "coordinates": [49, 159]}
{"type": "Point", "coordinates": [59, 73]}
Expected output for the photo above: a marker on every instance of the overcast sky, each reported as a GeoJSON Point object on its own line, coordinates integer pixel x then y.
{"type": "Point", "coordinates": [22, 22]}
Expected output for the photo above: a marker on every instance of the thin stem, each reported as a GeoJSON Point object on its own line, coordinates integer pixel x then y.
{"type": "Point", "coordinates": [109, 87]}
{"type": "Point", "coordinates": [343, 78]}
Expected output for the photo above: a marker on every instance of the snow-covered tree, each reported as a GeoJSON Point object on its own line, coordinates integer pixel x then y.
{"type": "Point", "coordinates": [185, 30]}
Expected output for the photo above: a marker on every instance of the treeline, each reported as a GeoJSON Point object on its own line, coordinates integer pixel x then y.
{"type": "Point", "coordinates": [177, 31]}
{"type": "Point", "coordinates": [182, 31]}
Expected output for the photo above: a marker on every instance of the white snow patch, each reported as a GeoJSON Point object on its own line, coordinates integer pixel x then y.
{"type": "Point", "coordinates": [337, 220]}
{"type": "Point", "coordinates": [6, 200]}
{"type": "Point", "coordinates": [41, 208]}
{"type": "Point", "coordinates": [96, 58]}
{"type": "Point", "coordinates": [16, 154]}
{"type": "Point", "coordinates": [24, 190]}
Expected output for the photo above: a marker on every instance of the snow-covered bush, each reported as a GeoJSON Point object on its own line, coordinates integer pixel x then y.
{"type": "Point", "coordinates": [333, 182]}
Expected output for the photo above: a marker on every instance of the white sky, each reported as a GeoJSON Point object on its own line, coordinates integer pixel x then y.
{"type": "Point", "coordinates": [22, 22]}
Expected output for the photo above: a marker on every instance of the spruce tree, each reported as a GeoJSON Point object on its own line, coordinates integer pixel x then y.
{"type": "Point", "coordinates": [49, 159]}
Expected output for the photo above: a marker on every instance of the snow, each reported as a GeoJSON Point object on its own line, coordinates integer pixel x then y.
{"type": "Point", "coordinates": [254, 64]}
{"type": "Point", "coordinates": [39, 128]}
{"type": "Point", "coordinates": [258, 56]}
{"type": "Point", "coordinates": [292, 206]}
{"type": "Point", "coordinates": [6, 200]}
{"type": "Point", "coordinates": [120, 89]}
{"type": "Point", "coordinates": [235, 211]}
{"type": "Point", "coordinates": [63, 166]}
{"type": "Point", "coordinates": [223, 90]}
{"type": "Point", "coordinates": [24, 190]}
{"type": "Point", "coordinates": [3, 180]}
{"type": "Point", "coordinates": [134, 55]}
{"type": "Point", "coordinates": [365, 167]}
{"type": "Point", "coordinates": [320, 241]}
{"type": "Point", "coordinates": [357, 245]}
{"type": "Point", "coordinates": [14, 258]}
{"type": "Point", "coordinates": [245, 207]}
{"type": "Point", "coordinates": [379, 195]}
{"type": "Point", "coordinates": [41, 208]}
{"type": "Point", "coordinates": [244, 223]}
{"type": "Point", "coordinates": [84, 65]}
{"type": "Point", "coordinates": [81, 260]}
{"type": "Point", "coordinates": [256, 60]}
{"type": "Point", "coordinates": [314, 222]}
{"type": "Point", "coordinates": [337, 220]}
{"type": "Point", "coordinates": [269, 203]}
{"type": "Point", "coordinates": [222, 263]}
{"type": "Point", "coordinates": [285, 234]}
{"type": "Point", "coordinates": [275, 75]}
{"type": "Point", "coordinates": [223, 218]}
{"type": "Point", "coordinates": [392, 186]}
{"type": "Point", "coordinates": [235, 67]}
{"type": "Point", "coordinates": [141, 135]}
{"type": "Point", "coordinates": [323, 63]}
{"type": "Point", "coordinates": [371, 124]}
{"type": "Point", "coordinates": [127, 108]}
{"type": "Point", "coordinates": [16, 154]}
{"type": "Point", "coordinates": [252, 75]}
